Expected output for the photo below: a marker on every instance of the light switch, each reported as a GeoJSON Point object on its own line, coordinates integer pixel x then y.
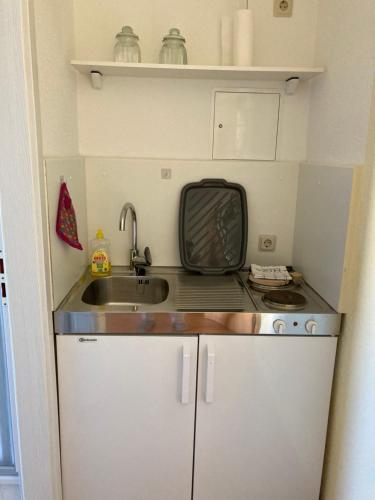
{"type": "Point", "coordinates": [166, 173]}
{"type": "Point", "coordinates": [246, 125]}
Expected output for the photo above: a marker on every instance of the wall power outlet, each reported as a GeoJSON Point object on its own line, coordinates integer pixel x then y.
{"type": "Point", "coordinates": [267, 242]}
{"type": "Point", "coordinates": [283, 8]}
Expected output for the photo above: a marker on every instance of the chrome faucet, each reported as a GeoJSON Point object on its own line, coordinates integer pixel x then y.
{"type": "Point", "coordinates": [136, 260]}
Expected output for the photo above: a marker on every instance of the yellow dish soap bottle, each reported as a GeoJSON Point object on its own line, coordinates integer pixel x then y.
{"type": "Point", "coordinates": [100, 256]}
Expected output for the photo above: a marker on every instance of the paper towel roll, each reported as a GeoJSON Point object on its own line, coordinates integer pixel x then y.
{"type": "Point", "coordinates": [226, 41]}
{"type": "Point", "coordinates": [243, 37]}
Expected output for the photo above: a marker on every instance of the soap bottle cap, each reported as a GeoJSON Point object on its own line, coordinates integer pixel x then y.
{"type": "Point", "coordinates": [99, 234]}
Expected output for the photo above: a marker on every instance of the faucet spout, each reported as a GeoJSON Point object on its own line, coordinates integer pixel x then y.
{"type": "Point", "coordinates": [136, 261]}
{"type": "Point", "coordinates": [130, 207]}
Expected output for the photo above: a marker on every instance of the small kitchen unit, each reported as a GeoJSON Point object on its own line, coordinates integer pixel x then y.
{"type": "Point", "coordinates": [195, 402]}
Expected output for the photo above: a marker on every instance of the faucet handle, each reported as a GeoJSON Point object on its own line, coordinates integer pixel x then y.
{"type": "Point", "coordinates": [146, 260]}
{"type": "Point", "coordinates": [148, 256]}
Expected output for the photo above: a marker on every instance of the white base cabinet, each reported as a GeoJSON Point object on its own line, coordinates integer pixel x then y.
{"type": "Point", "coordinates": [262, 435]}
{"type": "Point", "coordinates": [125, 434]}
{"type": "Point", "coordinates": [129, 408]}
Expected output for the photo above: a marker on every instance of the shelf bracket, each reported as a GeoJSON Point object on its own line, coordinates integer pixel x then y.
{"type": "Point", "coordinates": [291, 85]}
{"type": "Point", "coordinates": [96, 79]}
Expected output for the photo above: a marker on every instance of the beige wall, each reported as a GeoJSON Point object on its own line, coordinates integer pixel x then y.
{"type": "Point", "coordinates": [112, 182]}
{"type": "Point", "coordinates": [150, 118]}
{"type": "Point", "coordinates": [340, 99]}
{"type": "Point", "coordinates": [164, 118]}
{"type": "Point", "coordinates": [350, 461]}
{"type": "Point", "coordinates": [30, 325]}
{"type": "Point", "coordinates": [278, 42]}
{"type": "Point", "coordinates": [114, 121]}
{"type": "Point", "coordinates": [54, 39]}
{"type": "Point", "coordinates": [67, 263]}
{"type": "Point", "coordinates": [337, 134]}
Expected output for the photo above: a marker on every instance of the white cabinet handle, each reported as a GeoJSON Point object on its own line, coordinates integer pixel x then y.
{"type": "Point", "coordinates": [210, 374]}
{"type": "Point", "coordinates": [185, 379]}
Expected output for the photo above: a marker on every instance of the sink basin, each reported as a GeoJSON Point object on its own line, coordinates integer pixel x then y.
{"type": "Point", "coordinates": [125, 290]}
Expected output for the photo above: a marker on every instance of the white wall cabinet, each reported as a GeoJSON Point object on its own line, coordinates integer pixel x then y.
{"type": "Point", "coordinates": [245, 125]}
{"type": "Point", "coordinates": [125, 434]}
{"type": "Point", "coordinates": [127, 407]}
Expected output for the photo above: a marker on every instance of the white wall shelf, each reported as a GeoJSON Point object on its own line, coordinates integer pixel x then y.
{"type": "Point", "coordinates": [291, 76]}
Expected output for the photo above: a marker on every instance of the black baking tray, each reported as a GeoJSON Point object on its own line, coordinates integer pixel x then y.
{"type": "Point", "coordinates": [213, 226]}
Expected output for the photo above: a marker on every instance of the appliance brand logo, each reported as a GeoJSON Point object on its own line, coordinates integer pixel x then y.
{"type": "Point", "coordinates": [82, 339]}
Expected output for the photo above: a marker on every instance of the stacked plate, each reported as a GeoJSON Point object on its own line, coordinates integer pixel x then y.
{"type": "Point", "coordinates": [265, 285]}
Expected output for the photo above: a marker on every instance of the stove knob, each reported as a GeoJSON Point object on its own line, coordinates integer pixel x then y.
{"type": "Point", "coordinates": [279, 326]}
{"type": "Point", "coordinates": [311, 326]}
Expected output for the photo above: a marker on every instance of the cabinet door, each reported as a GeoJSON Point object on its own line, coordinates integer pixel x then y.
{"type": "Point", "coordinates": [262, 414]}
{"type": "Point", "coordinates": [246, 125]}
{"type": "Point", "coordinates": [127, 407]}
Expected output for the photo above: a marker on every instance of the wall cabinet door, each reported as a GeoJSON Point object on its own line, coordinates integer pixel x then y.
{"type": "Point", "coordinates": [127, 408]}
{"type": "Point", "coordinates": [262, 413]}
{"type": "Point", "coordinates": [245, 125]}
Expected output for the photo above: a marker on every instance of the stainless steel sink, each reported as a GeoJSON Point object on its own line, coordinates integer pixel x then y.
{"type": "Point", "coordinates": [127, 290]}
{"type": "Point", "coordinates": [167, 301]}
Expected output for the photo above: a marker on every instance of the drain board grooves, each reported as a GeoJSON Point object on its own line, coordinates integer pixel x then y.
{"type": "Point", "coordinates": [209, 293]}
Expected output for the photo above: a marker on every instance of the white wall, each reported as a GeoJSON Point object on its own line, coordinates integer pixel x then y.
{"type": "Point", "coordinates": [340, 99]}
{"type": "Point", "coordinates": [158, 118]}
{"type": "Point", "coordinates": [24, 243]}
{"type": "Point", "coordinates": [338, 132]}
{"type": "Point", "coordinates": [54, 38]}
{"type": "Point", "coordinates": [67, 263]}
{"type": "Point", "coordinates": [9, 492]}
{"type": "Point", "coordinates": [166, 118]}
{"type": "Point", "coordinates": [271, 191]}
{"type": "Point", "coordinates": [321, 230]}
{"type": "Point", "coordinates": [351, 453]}
{"type": "Point", "coordinates": [278, 42]}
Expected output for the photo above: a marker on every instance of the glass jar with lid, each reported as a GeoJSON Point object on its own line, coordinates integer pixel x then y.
{"type": "Point", "coordinates": [127, 47]}
{"type": "Point", "coordinates": [173, 50]}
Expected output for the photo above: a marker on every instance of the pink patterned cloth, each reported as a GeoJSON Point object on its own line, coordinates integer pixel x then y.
{"type": "Point", "coordinates": [66, 223]}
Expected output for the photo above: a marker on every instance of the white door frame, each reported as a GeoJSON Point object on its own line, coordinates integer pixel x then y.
{"type": "Point", "coordinates": [21, 196]}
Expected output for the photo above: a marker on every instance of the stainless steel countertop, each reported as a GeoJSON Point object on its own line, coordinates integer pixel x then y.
{"type": "Point", "coordinates": [75, 317]}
